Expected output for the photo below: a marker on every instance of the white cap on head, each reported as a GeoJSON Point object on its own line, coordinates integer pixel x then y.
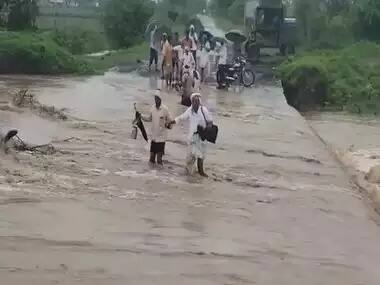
{"type": "Point", "coordinates": [195, 95]}
{"type": "Point", "coordinates": [157, 93]}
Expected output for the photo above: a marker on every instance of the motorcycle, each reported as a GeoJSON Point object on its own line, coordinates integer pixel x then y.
{"type": "Point", "coordinates": [229, 73]}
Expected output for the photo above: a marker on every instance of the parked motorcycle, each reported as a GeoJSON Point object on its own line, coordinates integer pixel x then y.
{"type": "Point", "coordinates": [229, 73]}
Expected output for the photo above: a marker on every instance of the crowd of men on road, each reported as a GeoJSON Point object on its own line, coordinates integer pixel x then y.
{"type": "Point", "coordinates": [187, 55]}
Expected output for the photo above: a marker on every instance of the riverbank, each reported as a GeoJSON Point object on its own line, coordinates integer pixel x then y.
{"type": "Point", "coordinates": [124, 57]}
{"type": "Point", "coordinates": [338, 80]}
{"type": "Point", "coordinates": [37, 53]}
{"type": "Point", "coordinates": [42, 53]}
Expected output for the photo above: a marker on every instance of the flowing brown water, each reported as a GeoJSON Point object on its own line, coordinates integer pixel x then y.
{"type": "Point", "coordinates": [277, 208]}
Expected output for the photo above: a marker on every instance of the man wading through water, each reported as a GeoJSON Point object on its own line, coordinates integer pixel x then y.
{"type": "Point", "coordinates": [160, 118]}
{"type": "Point", "coordinates": [153, 49]}
{"type": "Point", "coordinates": [199, 117]}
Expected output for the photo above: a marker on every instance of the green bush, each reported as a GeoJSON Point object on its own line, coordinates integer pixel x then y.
{"type": "Point", "coordinates": [305, 82]}
{"type": "Point", "coordinates": [125, 21]}
{"type": "Point", "coordinates": [81, 41]}
{"type": "Point", "coordinates": [352, 76]}
{"type": "Point", "coordinates": [36, 53]}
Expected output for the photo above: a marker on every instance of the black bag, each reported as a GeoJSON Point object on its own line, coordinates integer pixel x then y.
{"type": "Point", "coordinates": [209, 133]}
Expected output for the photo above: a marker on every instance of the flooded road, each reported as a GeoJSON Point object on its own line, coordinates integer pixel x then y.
{"type": "Point", "coordinates": [277, 208]}
{"type": "Point", "coordinates": [358, 138]}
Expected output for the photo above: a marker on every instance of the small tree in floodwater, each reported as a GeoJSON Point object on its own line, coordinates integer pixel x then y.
{"type": "Point", "coordinates": [125, 21]}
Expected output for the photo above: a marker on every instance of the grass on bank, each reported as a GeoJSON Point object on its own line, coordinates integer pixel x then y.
{"type": "Point", "coordinates": [37, 53]}
{"type": "Point", "coordinates": [81, 41]}
{"type": "Point", "coordinates": [352, 76]}
{"type": "Point", "coordinates": [121, 57]}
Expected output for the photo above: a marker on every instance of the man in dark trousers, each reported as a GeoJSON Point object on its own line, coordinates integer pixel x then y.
{"type": "Point", "coordinates": [160, 117]}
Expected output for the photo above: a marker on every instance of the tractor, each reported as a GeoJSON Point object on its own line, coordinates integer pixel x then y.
{"type": "Point", "coordinates": [267, 27]}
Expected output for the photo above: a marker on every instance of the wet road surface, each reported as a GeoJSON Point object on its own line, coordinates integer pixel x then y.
{"type": "Point", "coordinates": [277, 208]}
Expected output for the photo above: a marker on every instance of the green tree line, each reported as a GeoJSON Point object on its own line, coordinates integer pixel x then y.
{"type": "Point", "coordinates": [337, 23]}
{"type": "Point", "coordinates": [322, 23]}
{"type": "Point", "coordinates": [233, 9]}
{"type": "Point", "coordinates": [22, 14]}
{"type": "Point", "coordinates": [125, 20]}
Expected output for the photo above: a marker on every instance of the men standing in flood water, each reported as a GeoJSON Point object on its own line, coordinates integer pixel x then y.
{"type": "Point", "coordinates": [160, 117]}
{"type": "Point", "coordinates": [199, 118]}
{"type": "Point", "coordinates": [194, 38]}
{"type": "Point", "coordinates": [153, 49]}
{"type": "Point", "coordinates": [167, 53]}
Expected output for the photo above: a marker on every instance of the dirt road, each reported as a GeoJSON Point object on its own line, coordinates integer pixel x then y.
{"type": "Point", "coordinates": [277, 208]}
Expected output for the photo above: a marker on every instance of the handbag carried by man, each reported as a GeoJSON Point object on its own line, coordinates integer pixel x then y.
{"type": "Point", "coordinates": [210, 133]}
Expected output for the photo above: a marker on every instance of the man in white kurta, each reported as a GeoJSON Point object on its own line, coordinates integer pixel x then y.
{"type": "Point", "coordinates": [160, 117]}
{"type": "Point", "coordinates": [198, 116]}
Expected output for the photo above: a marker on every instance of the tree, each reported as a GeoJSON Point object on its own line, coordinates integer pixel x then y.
{"type": "Point", "coordinates": [3, 3]}
{"type": "Point", "coordinates": [306, 12]}
{"type": "Point", "coordinates": [329, 23]}
{"type": "Point", "coordinates": [125, 21]}
{"type": "Point", "coordinates": [220, 7]}
{"type": "Point", "coordinates": [186, 8]}
{"type": "Point", "coordinates": [236, 11]}
{"type": "Point", "coordinates": [369, 17]}
{"type": "Point", "coordinates": [22, 14]}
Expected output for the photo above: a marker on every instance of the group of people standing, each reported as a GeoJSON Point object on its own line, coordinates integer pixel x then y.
{"type": "Point", "coordinates": [190, 54]}
{"type": "Point", "coordinates": [181, 58]}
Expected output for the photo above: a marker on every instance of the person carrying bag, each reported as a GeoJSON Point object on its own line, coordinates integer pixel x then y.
{"type": "Point", "coordinates": [210, 133]}
{"type": "Point", "coordinates": [200, 130]}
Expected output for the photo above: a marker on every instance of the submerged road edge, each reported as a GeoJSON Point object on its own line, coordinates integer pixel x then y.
{"type": "Point", "coordinates": [370, 190]}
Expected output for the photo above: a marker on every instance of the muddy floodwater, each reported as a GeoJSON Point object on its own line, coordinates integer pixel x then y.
{"type": "Point", "coordinates": [276, 209]}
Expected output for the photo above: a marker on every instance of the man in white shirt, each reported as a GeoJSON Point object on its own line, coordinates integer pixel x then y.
{"type": "Point", "coordinates": [222, 54]}
{"type": "Point", "coordinates": [153, 48]}
{"type": "Point", "coordinates": [198, 117]}
{"type": "Point", "coordinates": [188, 60]}
{"type": "Point", "coordinates": [194, 38]}
{"type": "Point", "coordinates": [160, 117]}
{"type": "Point", "coordinates": [204, 59]}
